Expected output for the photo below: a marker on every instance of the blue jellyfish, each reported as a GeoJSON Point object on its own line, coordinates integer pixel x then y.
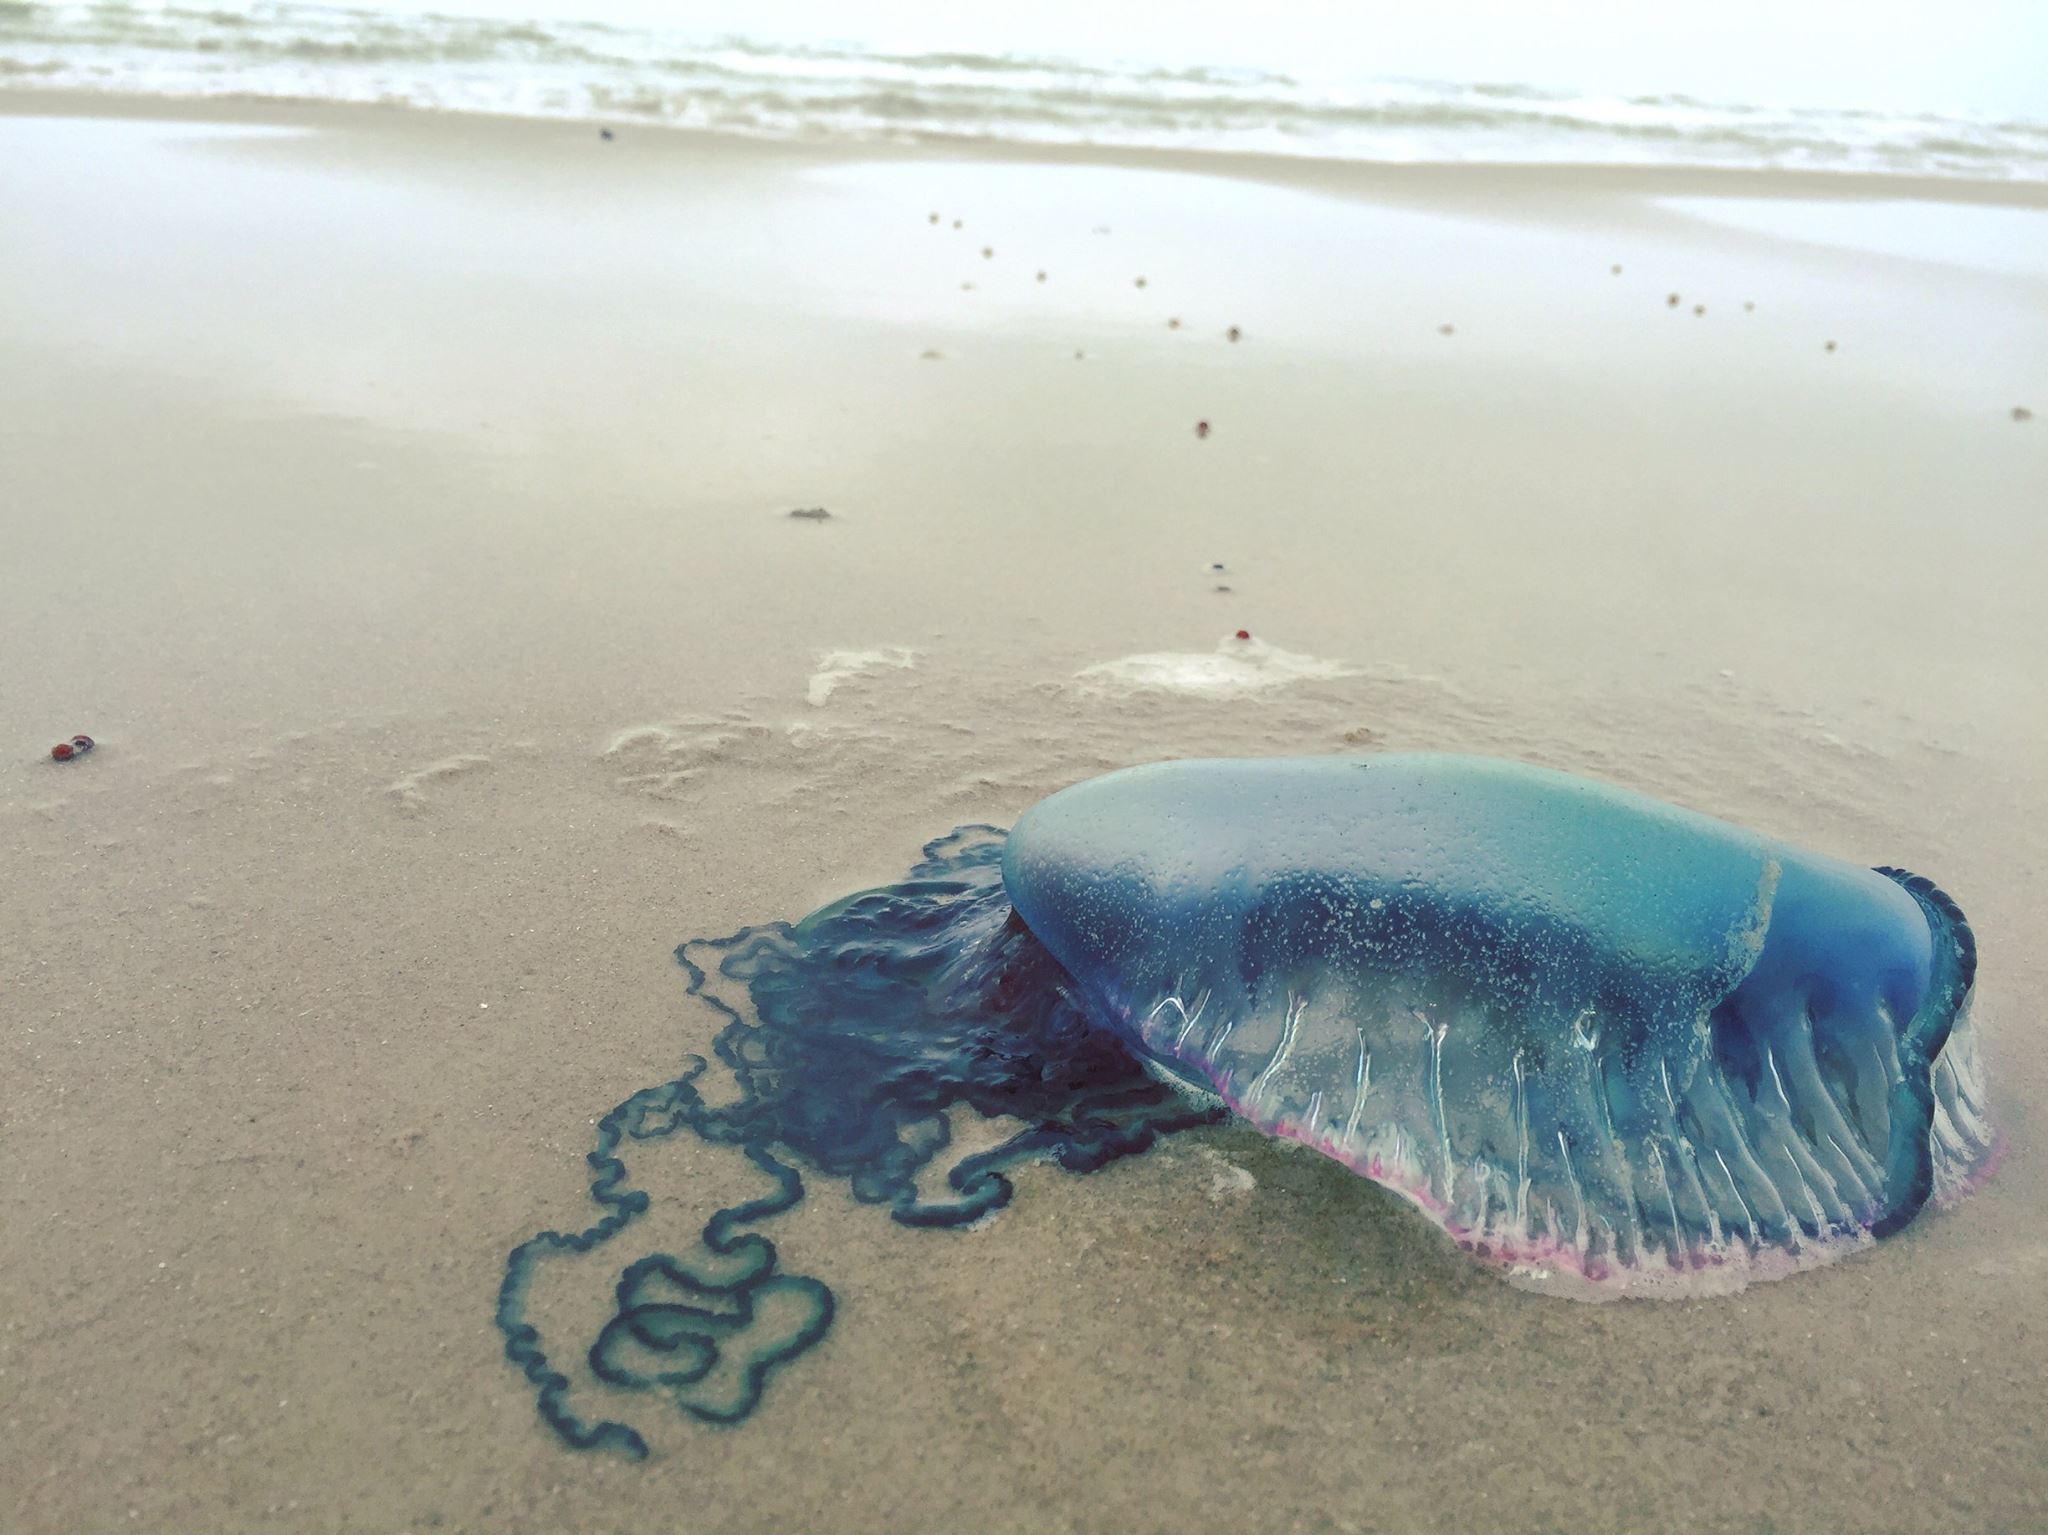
{"type": "Point", "coordinates": [1609, 1045]}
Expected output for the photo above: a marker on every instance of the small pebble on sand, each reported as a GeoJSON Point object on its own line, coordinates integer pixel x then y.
{"type": "Point", "coordinates": [1615, 269]}
{"type": "Point", "coordinates": [1831, 346]}
{"type": "Point", "coordinates": [934, 218]}
{"type": "Point", "coordinates": [1671, 300]}
{"type": "Point", "coordinates": [931, 354]}
{"type": "Point", "coordinates": [605, 134]}
{"type": "Point", "coordinates": [1041, 277]}
{"type": "Point", "coordinates": [957, 223]}
{"type": "Point", "coordinates": [967, 287]}
{"type": "Point", "coordinates": [811, 514]}
{"type": "Point", "coordinates": [1173, 324]}
{"type": "Point", "coordinates": [1233, 334]}
{"type": "Point", "coordinates": [2021, 413]}
{"type": "Point", "coordinates": [1201, 429]}
{"type": "Point", "coordinates": [1141, 282]}
{"type": "Point", "coordinates": [1699, 309]}
{"type": "Point", "coordinates": [1749, 306]}
{"type": "Point", "coordinates": [988, 253]}
{"type": "Point", "coordinates": [1447, 330]}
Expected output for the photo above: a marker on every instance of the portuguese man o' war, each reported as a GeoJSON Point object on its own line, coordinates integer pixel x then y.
{"type": "Point", "coordinates": [1609, 1045]}
{"type": "Point", "coordinates": [1606, 1043]}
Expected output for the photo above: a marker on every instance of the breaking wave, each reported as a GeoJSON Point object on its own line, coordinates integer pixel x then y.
{"type": "Point", "coordinates": [592, 71]}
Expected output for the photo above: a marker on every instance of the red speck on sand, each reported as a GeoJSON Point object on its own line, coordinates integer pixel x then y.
{"type": "Point", "coordinates": [1244, 634]}
{"type": "Point", "coordinates": [63, 751]}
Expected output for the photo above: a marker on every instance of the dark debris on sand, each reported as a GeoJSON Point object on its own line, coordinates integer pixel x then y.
{"type": "Point", "coordinates": [811, 514]}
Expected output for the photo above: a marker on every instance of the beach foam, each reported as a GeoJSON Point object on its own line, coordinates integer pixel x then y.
{"type": "Point", "coordinates": [619, 74]}
{"type": "Point", "coordinates": [837, 666]}
{"type": "Point", "coordinates": [1235, 666]}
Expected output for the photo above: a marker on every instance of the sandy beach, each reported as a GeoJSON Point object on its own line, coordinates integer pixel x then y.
{"type": "Point", "coordinates": [403, 504]}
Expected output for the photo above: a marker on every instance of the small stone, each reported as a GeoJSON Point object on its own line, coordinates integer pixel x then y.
{"type": "Point", "coordinates": [1446, 330]}
{"type": "Point", "coordinates": [2021, 413]}
{"type": "Point", "coordinates": [1201, 429]}
{"type": "Point", "coordinates": [1233, 334]}
{"type": "Point", "coordinates": [934, 218]}
{"type": "Point", "coordinates": [1173, 324]}
{"type": "Point", "coordinates": [1615, 269]}
{"type": "Point", "coordinates": [1699, 309]}
{"type": "Point", "coordinates": [605, 134]}
{"type": "Point", "coordinates": [1831, 346]}
{"type": "Point", "coordinates": [811, 514]}
{"type": "Point", "coordinates": [1749, 306]}
{"type": "Point", "coordinates": [1041, 277]}
{"type": "Point", "coordinates": [1244, 634]}
{"type": "Point", "coordinates": [63, 751]}
{"type": "Point", "coordinates": [1141, 282]}
{"type": "Point", "coordinates": [1671, 300]}
{"type": "Point", "coordinates": [988, 253]}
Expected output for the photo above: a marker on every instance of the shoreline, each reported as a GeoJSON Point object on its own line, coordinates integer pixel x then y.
{"type": "Point", "coordinates": [1436, 179]}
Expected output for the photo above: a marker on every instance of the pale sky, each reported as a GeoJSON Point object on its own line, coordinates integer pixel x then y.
{"type": "Point", "coordinates": [1976, 56]}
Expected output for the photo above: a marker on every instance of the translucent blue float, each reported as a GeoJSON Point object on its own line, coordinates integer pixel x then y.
{"type": "Point", "coordinates": [1598, 1039]}
{"type": "Point", "coordinates": [1607, 1044]}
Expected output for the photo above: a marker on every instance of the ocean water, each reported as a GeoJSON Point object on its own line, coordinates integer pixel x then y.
{"type": "Point", "coordinates": [755, 85]}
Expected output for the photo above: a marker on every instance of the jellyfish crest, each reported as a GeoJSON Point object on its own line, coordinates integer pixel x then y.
{"type": "Point", "coordinates": [1613, 1045]}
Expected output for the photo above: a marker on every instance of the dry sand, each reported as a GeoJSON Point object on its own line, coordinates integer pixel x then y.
{"type": "Point", "coordinates": [403, 504]}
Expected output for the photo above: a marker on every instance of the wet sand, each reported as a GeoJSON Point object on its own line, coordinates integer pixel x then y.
{"type": "Point", "coordinates": [404, 505]}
